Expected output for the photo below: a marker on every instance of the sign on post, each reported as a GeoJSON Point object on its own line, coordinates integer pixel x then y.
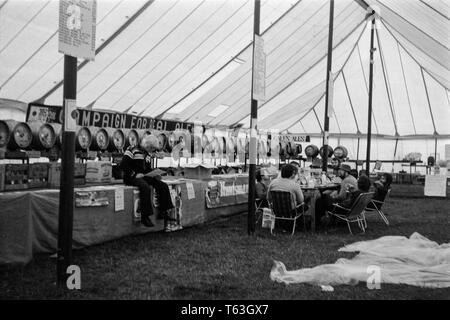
{"type": "Point", "coordinates": [259, 70]}
{"type": "Point", "coordinates": [70, 115]}
{"type": "Point", "coordinates": [77, 22]}
{"type": "Point", "coordinates": [435, 185]}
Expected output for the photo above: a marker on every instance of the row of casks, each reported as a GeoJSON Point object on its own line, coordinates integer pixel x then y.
{"type": "Point", "coordinates": [340, 152]}
{"type": "Point", "coordinates": [36, 135]}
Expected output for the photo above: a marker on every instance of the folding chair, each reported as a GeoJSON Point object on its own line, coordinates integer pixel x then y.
{"type": "Point", "coordinates": [376, 206]}
{"type": "Point", "coordinates": [258, 209]}
{"type": "Point", "coordinates": [355, 213]}
{"type": "Point", "coordinates": [281, 205]}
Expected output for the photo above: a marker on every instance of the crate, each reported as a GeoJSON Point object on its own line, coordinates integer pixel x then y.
{"type": "Point", "coordinates": [38, 175]}
{"type": "Point", "coordinates": [98, 172]}
{"type": "Point", "coordinates": [54, 174]}
{"type": "Point", "coordinates": [16, 176]}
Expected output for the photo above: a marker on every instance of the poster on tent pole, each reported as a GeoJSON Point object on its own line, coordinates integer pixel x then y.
{"type": "Point", "coordinates": [77, 23]}
{"type": "Point", "coordinates": [259, 70]}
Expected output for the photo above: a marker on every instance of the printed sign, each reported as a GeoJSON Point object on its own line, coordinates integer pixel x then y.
{"type": "Point", "coordinates": [77, 24]}
{"type": "Point", "coordinates": [435, 185]}
{"type": "Point", "coordinates": [190, 190]}
{"type": "Point", "coordinates": [293, 138]}
{"type": "Point", "coordinates": [70, 121]}
{"type": "Point", "coordinates": [88, 118]}
{"type": "Point", "coordinates": [259, 70]}
{"type": "Point", "coordinates": [119, 199]}
{"type": "Point", "coordinates": [226, 192]}
{"type": "Point", "coordinates": [91, 199]}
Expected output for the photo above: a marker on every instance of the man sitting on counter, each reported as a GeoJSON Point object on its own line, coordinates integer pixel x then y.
{"type": "Point", "coordinates": [137, 172]}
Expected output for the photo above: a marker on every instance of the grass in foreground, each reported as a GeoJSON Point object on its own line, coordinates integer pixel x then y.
{"type": "Point", "coordinates": [218, 260]}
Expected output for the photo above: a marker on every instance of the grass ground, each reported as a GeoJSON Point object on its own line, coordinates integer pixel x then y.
{"type": "Point", "coordinates": [218, 260]}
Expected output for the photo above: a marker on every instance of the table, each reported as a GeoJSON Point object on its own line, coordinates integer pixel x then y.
{"type": "Point", "coordinates": [317, 192]}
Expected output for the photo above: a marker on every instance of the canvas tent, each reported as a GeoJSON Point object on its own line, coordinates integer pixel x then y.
{"type": "Point", "coordinates": [191, 60]}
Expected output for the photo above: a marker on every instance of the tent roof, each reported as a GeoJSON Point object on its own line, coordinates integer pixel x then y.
{"type": "Point", "coordinates": [191, 60]}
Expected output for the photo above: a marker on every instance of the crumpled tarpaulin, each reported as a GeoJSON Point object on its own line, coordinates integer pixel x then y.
{"type": "Point", "coordinates": [416, 261]}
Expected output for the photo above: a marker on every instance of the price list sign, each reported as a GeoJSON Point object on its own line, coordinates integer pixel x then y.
{"type": "Point", "coordinates": [77, 22]}
{"type": "Point", "coordinates": [259, 70]}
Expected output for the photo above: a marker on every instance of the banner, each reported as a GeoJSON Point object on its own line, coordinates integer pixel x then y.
{"type": "Point", "coordinates": [103, 119]}
{"type": "Point", "coordinates": [91, 199]}
{"type": "Point", "coordinates": [292, 137]}
{"type": "Point", "coordinates": [224, 192]}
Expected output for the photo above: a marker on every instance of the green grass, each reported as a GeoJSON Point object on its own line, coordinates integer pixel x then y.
{"type": "Point", "coordinates": [218, 260]}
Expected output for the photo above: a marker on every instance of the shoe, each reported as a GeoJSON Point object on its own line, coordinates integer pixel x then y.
{"type": "Point", "coordinates": [146, 221]}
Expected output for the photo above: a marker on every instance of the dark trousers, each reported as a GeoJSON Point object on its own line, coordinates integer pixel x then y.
{"type": "Point", "coordinates": [161, 189]}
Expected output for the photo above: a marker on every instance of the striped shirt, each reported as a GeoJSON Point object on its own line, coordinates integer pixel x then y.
{"type": "Point", "coordinates": [135, 160]}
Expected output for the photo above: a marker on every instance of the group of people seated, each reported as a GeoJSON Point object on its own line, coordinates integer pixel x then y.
{"type": "Point", "coordinates": [349, 190]}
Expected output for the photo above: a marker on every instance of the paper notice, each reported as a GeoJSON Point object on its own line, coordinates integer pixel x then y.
{"type": "Point", "coordinates": [119, 203]}
{"type": "Point", "coordinates": [190, 190]}
{"type": "Point", "coordinates": [435, 185]}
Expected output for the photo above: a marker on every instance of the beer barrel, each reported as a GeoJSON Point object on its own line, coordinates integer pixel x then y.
{"type": "Point", "coordinates": [131, 138]}
{"type": "Point", "coordinates": [299, 149]}
{"type": "Point", "coordinates": [283, 149]}
{"type": "Point", "coordinates": [83, 138]}
{"type": "Point", "coordinates": [311, 151]}
{"type": "Point", "coordinates": [116, 139]}
{"type": "Point", "coordinates": [100, 139]}
{"type": "Point", "coordinates": [144, 132]}
{"type": "Point", "coordinates": [20, 135]}
{"type": "Point", "coordinates": [340, 152]}
{"type": "Point", "coordinates": [330, 152]}
{"type": "Point", "coordinates": [295, 150]}
{"type": "Point", "coordinates": [43, 135]}
{"type": "Point", "coordinates": [57, 128]}
{"type": "Point", "coordinates": [164, 143]}
{"type": "Point", "coordinates": [4, 134]}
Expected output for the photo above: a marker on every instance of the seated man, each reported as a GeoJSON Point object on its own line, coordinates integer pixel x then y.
{"type": "Point", "coordinates": [348, 182]}
{"type": "Point", "coordinates": [353, 194]}
{"type": "Point", "coordinates": [261, 189]}
{"type": "Point", "coordinates": [326, 201]}
{"type": "Point", "coordinates": [137, 172]}
{"type": "Point", "coordinates": [287, 182]}
{"type": "Point", "coordinates": [382, 187]}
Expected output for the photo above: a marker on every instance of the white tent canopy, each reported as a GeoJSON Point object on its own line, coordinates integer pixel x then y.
{"type": "Point", "coordinates": [191, 60]}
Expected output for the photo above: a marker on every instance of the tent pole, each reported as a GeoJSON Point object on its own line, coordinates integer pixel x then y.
{"type": "Point", "coordinates": [253, 135]}
{"type": "Point", "coordinates": [66, 193]}
{"type": "Point", "coordinates": [395, 153]}
{"type": "Point", "coordinates": [328, 100]}
{"type": "Point", "coordinates": [369, 116]}
{"type": "Point", "coordinates": [435, 151]}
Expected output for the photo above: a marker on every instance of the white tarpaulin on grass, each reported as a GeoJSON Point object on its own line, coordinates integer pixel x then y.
{"type": "Point", "coordinates": [416, 261]}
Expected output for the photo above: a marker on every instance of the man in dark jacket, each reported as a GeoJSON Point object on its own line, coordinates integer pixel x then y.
{"type": "Point", "coordinates": [136, 168]}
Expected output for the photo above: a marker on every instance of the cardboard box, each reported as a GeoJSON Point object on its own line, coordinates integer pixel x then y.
{"type": "Point", "coordinates": [198, 171]}
{"type": "Point", "coordinates": [98, 172]}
